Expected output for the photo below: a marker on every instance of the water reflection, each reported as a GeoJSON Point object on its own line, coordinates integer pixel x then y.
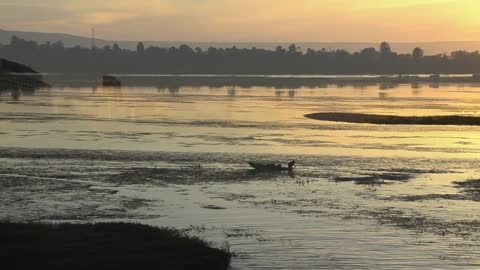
{"type": "Point", "coordinates": [384, 175]}
{"type": "Point", "coordinates": [386, 86]}
{"type": "Point", "coordinates": [232, 92]}
{"type": "Point", "coordinates": [16, 94]}
{"type": "Point", "coordinates": [173, 90]}
{"type": "Point", "coordinates": [17, 86]}
{"type": "Point", "coordinates": [213, 119]}
{"type": "Point", "coordinates": [383, 95]}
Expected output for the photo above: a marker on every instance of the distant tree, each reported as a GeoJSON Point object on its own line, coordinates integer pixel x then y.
{"type": "Point", "coordinates": [310, 52]}
{"type": "Point", "coordinates": [417, 53]}
{"type": "Point", "coordinates": [47, 45]}
{"type": "Point", "coordinates": [212, 51]}
{"type": "Point", "coordinates": [292, 60]}
{"type": "Point", "coordinates": [140, 48]}
{"type": "Point", "coordinates": [116, 48]}
{"type": "Point", "coordinates": [368, 52]}
{"type": "Point", "coordinates": [14, 41]}
{"type": "Point", "coordinates": [385, 48]}
{"type": "Point", "coordinates": [185, 49]}
{"type": "Point", "coordinates": [233, 51]}
{"type": "Point", "coordinates": [173, 50]}
{"type": "Point", "coordinates": [293, 49]}
{"type": "Point", "coordinates": [58, 45]}
{"type": "Point", "coordinates": [155, 51]}
{"type": "Point", "coordinates": [459, 55]}
{"type": "Point", "coordinates": [21, 44]}
{"type": "Point", "coordinates": [280, 50]}
{"type": "Point", "coordinates": [341, 54]}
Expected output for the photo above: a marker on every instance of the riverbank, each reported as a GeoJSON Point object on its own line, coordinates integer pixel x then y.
{"type": "Point", "coordinates": [104, 246]}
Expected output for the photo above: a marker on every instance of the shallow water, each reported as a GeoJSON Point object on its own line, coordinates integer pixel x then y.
{"type": "Point", "coordinates": [364, 196]}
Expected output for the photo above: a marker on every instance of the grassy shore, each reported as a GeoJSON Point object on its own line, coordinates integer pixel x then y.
{"type": "Point", "coordinates": [396, 120]}
{"type": "Point", "coordinates": [104, 246]}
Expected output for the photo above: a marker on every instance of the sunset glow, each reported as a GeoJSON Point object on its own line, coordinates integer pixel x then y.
{"type": "Point", "coordinates": [250, 20]}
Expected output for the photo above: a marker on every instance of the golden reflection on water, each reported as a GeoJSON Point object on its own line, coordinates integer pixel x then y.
{"type": "Point", "coordinates": [269, 121]}
{"type": "Point", "coordinates": [252, 120]}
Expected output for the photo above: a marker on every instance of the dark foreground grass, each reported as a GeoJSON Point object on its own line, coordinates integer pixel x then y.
{"type": "Point", "coordinates": [104, 246]}
{"type": "Point", "coordinates": [396, 120]}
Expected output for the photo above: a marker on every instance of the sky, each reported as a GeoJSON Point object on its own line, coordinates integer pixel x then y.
{"type": "Point", "coordinates": [250, 20]}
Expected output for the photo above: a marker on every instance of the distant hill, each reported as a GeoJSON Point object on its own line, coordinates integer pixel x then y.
{"type": "Point", "coordinates": [430, 48]}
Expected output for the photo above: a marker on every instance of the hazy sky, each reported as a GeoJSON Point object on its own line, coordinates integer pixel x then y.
{"type": "Point", "coordinates": [250, 20]}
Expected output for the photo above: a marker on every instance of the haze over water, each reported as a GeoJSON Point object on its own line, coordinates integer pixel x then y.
{"type": "Point", "coordinates": [363, 196]}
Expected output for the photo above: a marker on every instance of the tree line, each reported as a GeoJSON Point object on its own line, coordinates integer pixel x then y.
{"type": "Point", "coordinates": [55, 57]}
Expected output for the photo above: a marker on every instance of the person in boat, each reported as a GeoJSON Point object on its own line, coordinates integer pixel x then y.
{"type": "Point", "coordinates": [291, 164]}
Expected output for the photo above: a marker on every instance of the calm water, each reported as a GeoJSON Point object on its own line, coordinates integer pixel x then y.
{"type": "Point", "coordinates": [364, 196]}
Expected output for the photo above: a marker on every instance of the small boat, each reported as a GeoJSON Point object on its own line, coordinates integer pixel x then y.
{"type": "Point", "coordinates": [272, 167]}
{"type": "Point", "coordinates": [111, 81]}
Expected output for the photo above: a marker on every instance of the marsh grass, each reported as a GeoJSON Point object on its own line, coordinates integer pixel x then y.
{"type": "Point", "coordinates": [466, 229]}
{"type": "Point", "coordinates": [104, 246]}
{"type": "Point", "coordinates": [189, 175]}
{"type": "Point", "coordinates": [471, 188]}
{"type": "Point", "coordinates": [376, 179]}
{"type": "Point", "coordinates": [473, 185]}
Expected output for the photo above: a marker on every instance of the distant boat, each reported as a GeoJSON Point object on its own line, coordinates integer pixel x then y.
{"type": "Point", "coordinates": [111, 81]}
{"type": "Point", "coordinates": [271, 167]}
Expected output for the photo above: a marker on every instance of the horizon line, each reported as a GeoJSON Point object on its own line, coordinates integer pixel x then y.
{"type": "Point", "coordinates": [262, 42]}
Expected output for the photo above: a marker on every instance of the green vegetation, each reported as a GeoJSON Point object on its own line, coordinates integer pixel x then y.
{"type": "Point", "coordinates": [396, 120]}
{"type": "Point", "coordinates": [104, 246]}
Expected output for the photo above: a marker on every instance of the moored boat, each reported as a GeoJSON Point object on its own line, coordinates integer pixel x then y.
{"type": "Point", "coordinates": [111, 81]}
{"type": "Point", "coordinates": [272, 167]}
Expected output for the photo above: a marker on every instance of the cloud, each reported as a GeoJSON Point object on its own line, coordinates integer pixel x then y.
{"type": "Point", "coordinates": [98, 18]}
{"type": "Point", "coordinates": [249, 20]}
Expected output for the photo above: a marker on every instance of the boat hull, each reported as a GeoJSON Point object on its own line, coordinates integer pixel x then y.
{"type": "Point", "coordinates": [269, 167]}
